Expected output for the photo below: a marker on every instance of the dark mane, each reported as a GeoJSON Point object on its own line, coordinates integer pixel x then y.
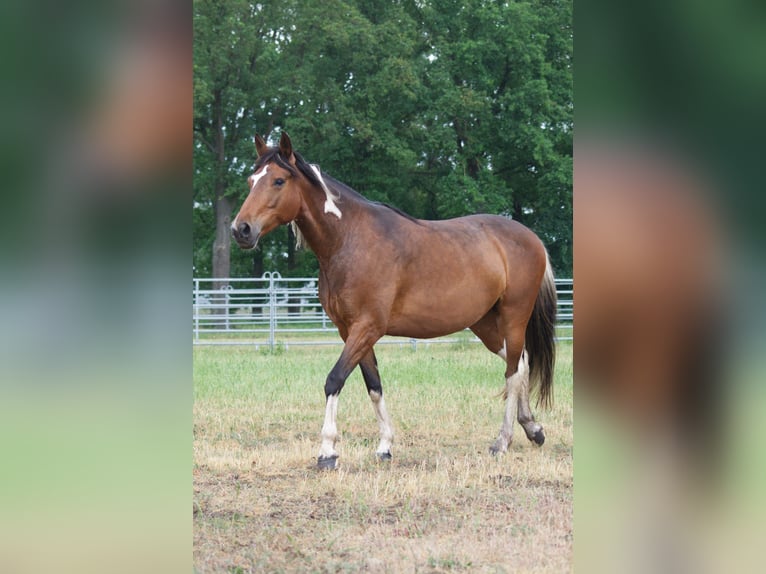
{"type": "Point", "coordinates": [399, 211]}
{"type": "Point", "coordinates": [273, 155]}
{"type": "Point", "coordinates": [342, 189]}
{"type": "Point", "coordinates": [337, 187]}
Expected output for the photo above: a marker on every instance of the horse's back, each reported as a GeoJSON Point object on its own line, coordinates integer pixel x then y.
{"type": "Point", "coordinates": [452, 272]}
{"type": "Point", "coordinates": [491, 243]}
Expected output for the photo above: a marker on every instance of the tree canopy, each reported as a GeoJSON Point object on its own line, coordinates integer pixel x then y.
{"type": "Point", "coordinates": [441, 108]}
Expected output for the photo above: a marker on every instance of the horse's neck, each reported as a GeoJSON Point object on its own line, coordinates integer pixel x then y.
{"type": "Point", "coordinates": [322, 228]}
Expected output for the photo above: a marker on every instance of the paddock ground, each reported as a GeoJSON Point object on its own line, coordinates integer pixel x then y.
{"type": "Point", "coordinates": [443, 505]}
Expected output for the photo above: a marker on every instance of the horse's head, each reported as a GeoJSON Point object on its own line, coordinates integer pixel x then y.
{"type": "Point", "coordinates": [274, 197]}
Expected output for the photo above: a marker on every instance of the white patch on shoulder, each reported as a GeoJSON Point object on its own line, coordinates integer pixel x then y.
{"type": "Point", "coordinates": [257, 176]}
{"type": "Point", "coordinates": [329, 204]}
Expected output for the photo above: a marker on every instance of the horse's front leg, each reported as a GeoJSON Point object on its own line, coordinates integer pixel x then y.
{"type": "Point", "coordinates": [369, 366]}
{"type": "Point", "coordinates": [359, 342]}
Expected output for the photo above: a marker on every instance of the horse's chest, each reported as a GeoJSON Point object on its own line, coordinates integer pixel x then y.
{"type": "Point", "coordinates": [338, 307]}
{"type": "Point", "coordinates": [332, 302]}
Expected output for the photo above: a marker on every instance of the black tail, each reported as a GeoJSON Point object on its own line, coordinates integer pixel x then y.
{"type": "Point", "coordinates": [540, 339]}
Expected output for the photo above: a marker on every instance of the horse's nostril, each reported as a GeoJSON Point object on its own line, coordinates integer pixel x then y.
{"type": "Point", "coordinates": [244, 229]}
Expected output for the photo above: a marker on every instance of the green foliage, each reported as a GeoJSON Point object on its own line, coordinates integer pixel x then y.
{"type": "Point", "coordinates": [441, 108]}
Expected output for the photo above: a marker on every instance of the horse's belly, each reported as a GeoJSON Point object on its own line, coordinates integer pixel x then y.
{"type": "Point", "coordinates": [433, 314]}
{"type": "Point", "coordinates": [410, 327]}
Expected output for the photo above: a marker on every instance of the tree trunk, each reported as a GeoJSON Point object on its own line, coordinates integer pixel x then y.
{"type": "Point", "coordinates": [222, 207]}
{"type": "Point", "coordinates": [221, 252]}
{"type": "Point", "coordinates": [518, 213]}
{"type": "Point", "coordinates": [222, 242]}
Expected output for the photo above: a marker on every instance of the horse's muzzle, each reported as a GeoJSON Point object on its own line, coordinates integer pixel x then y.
{"type": "Point", "coordinates": [245, 235]}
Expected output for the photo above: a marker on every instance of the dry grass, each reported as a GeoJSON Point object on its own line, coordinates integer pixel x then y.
{"type": "Point", "coordinates": [443, 505]}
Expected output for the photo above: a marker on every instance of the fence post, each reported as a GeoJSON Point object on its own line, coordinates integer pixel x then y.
{"type": "Point", "coordinates": [272, 312]}
{"type": "Point", "coordinates": [227, 288]}
{"type": "Point", "coordinates": [196, 309]}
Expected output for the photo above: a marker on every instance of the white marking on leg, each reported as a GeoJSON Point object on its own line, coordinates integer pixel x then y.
{"type": "Point", "coordinates": [513, 385]}
{"type": "Point", "coordinates": [329, 204]}
{"type": "Point", "coordinates": [501, 353]}
{"type": "Point", "coordinates": [523, 365]}
{"type": "Point", "coordinates": [384, 421]}
{"type": "Point", "coordinates": [329, 429]}
{"type": "Point", "coordinates": [523, 368]}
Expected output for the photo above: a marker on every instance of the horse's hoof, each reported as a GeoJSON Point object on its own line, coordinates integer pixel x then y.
{"type": "Point", "coordinates": [384, 456]}
{"type": "Point", "coordinates": [327, 462]}
{"type": "Point", "coordinates": [539, 437]}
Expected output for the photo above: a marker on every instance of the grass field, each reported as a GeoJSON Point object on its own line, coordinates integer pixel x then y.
{"type": "Point", "coordinates": [443, 505]}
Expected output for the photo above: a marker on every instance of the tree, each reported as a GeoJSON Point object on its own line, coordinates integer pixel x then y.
{"type": "Point", "coordinates": [229, 49]}
{"type": "Point", "coordinates": [500, 129]}
{"type": "Point", "coordinates": [439, 107]}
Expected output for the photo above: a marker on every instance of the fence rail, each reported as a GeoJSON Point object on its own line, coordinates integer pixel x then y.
{"type": "Point", "coordinates": [273, 311]}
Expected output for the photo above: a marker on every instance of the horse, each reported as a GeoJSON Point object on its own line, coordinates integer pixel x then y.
{"type": "Point", "coordinates": [383, 272]}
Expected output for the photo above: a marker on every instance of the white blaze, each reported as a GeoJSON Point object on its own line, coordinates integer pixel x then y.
{"type": "Point", "coordinates": [256, 178]}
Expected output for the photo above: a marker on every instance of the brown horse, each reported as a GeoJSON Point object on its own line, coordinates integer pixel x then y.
{"type": "Point", "coordinates": [382, 272]}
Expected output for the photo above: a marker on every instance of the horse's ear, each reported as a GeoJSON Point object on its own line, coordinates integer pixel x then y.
{"type": "Point", "coordinates": [260, 145]}
{"type": "Point", "coordinates": [285, 146]}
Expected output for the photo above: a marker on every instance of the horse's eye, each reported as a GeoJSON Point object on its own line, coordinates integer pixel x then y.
{"type": "Point", "coordinates": [279, 181]}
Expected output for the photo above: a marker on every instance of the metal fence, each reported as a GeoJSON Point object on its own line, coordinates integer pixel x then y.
{"type": "Point", "coordinates": [274, 311]}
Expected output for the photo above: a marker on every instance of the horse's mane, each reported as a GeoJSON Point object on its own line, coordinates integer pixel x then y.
{"type": "Point", "coordinates": [342, 189]}
{"type": "Point", "coordinates": [399, 211]}
{"type": "Point", "coordinates": [338, 188]}
{"type": "Point", "coordinates": [273, 155]}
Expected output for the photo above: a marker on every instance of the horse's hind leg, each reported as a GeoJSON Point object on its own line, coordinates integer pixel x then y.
{"type": "Point", "coordinates": [515, 374]}
{"type": "Point", "coordinates": [510, 349]}
{"type": "Point", "coordinates": [533, 429]}
{"type": "Point", "coordinates": [488, 332]}
{"type": "Point", "coordinates": [369, 366]}
{"type": "Point", "coordinates": [488, 329]}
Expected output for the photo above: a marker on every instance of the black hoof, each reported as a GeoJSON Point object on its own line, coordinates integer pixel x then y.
{"type": "Point", "coordinates": [384, 456]}
{"type": "Point", "coordinates": [327, 462]}
{"type": "Point", "coordinates": [494, 451]}
{"type": "Point", "coordinates": [539, 437]}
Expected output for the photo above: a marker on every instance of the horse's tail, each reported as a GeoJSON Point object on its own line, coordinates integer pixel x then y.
{"type": "Point", "coordinates": [540, 338]}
